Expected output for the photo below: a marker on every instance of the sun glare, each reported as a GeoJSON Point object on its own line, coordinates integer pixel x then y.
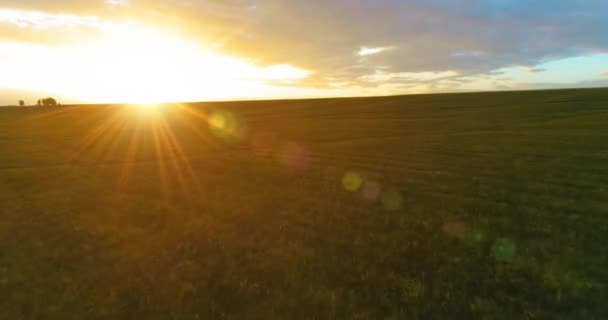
{"type": "Point", "coordinates": [147, 107]}
{"type": "Point", "coordinates": [137, 63]}
{"type": "Point", "coordinates": [156, 67]}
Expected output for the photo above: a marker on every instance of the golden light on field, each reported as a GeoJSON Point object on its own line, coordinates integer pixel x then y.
{"type": "Point", "coordinates": [147, 109]}
{"type": "Point", "coordinates": [147, 106]}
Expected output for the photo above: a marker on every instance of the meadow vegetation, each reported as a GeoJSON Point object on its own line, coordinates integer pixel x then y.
{"type": "Point", "coordinates": [452, 206]}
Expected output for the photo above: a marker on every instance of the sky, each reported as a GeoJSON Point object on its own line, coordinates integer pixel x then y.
{"type": "Point", "coordinates": [100, 51]}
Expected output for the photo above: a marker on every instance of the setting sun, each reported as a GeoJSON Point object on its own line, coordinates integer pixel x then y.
{"type": "Point", "coordinates": [147, 108]}
{"type": "Point", "coordinates": [133, 62]}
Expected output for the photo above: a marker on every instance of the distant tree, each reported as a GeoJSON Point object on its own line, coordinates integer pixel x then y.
{"type": "Point", "coordinates": [21, 103]}
{"type": "Point", "coordinates": [39, 103]}
{"type": "Point", "coordinates": [49, 102]}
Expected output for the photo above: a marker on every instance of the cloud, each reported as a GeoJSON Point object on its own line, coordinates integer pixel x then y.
{"type": "Point", "coordinates": [407, 41]}
{"type": "Point", "coordinates": [43, 28]}
{"type": "Point", "coordinates": [43, 20]}
{"type": "Point", "coordinates": [370, 51]}
{"type": "Point", "coordinates": [465, 54]}
{"type": "Point", "coordinates": [381, 76]}
{"type": "Point", "coordinates": [117, 2]}
{"type": "Point", "coordinates": [474, 37]}
{"type": "Point", "coordinates": [535, 70]}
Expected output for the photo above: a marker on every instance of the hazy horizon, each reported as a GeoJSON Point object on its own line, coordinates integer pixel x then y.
{"type": "Point", "coordinates": [32, 102]}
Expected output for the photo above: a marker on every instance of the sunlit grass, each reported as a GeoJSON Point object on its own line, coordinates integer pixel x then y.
{"type": "Point", "coordinates": [405, 207]}
{"type": "Point", "coordinates": [148, 108]}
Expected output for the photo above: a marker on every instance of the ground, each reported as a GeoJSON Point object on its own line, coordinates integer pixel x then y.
{"type": "Point", "coordinates": [454, 206]}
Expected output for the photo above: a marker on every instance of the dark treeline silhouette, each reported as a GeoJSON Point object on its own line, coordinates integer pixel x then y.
{"type": "Point", "coordinates": [21, 103]}
{"type": "Point", "coordinates": [48, 102]}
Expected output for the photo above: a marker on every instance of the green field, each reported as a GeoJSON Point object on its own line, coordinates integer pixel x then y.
{"type": "Point", "coordinates": [453, 206]}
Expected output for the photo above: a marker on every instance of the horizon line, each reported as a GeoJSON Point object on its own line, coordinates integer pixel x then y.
{"type": "Point", "coordinates": [315, 98]}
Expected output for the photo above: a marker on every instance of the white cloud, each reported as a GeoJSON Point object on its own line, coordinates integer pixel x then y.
{"type": "Point", "coordinates": [370, 51]}
{"type": "Point", "coordinates": [43, 20]}
{"type": "Point", "coordinates": [117, 2]}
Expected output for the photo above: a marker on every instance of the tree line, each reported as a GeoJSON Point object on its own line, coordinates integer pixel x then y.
{"type": "Point", "coordinates": [44, 102]}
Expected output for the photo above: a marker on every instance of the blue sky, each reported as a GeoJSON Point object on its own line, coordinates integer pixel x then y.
{"type": "Point", "coordinates": [321, 48]}
{"type": "Point", "coordinates": [566, 70]}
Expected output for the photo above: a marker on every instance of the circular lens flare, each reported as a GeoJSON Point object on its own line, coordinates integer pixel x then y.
{"type": "Point", "coordinates": [227, 126]}
{"type": "Point", "coordinates": [392, 200]}
{"type": "Point", "coordinates": [352, 181]}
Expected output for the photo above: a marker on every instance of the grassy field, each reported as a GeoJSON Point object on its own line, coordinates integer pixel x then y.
{"type": "Point", "coordinates": [455, 206]}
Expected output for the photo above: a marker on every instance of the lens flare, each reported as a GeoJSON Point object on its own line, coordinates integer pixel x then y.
{"type": "Point", "coordinates": [226, 125]}
{"type": "Point", "coordinates": [295, 156]}
{"type": "Point", "coordinates": [478, 236]}
{"type": "Point", "coordinates": [504, 250]}
{"type": "Point", "coordinates": [371, 190]}
{"type": "Point", "coordinates": [456, 228]}
{"type": "Point", "coordinates": [352, 181]}
{"type": "Point", "coordinates": [392, 200]}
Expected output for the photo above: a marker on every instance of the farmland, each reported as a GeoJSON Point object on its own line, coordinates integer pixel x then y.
{"type": "Point", "coordinates": [451, 206]}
